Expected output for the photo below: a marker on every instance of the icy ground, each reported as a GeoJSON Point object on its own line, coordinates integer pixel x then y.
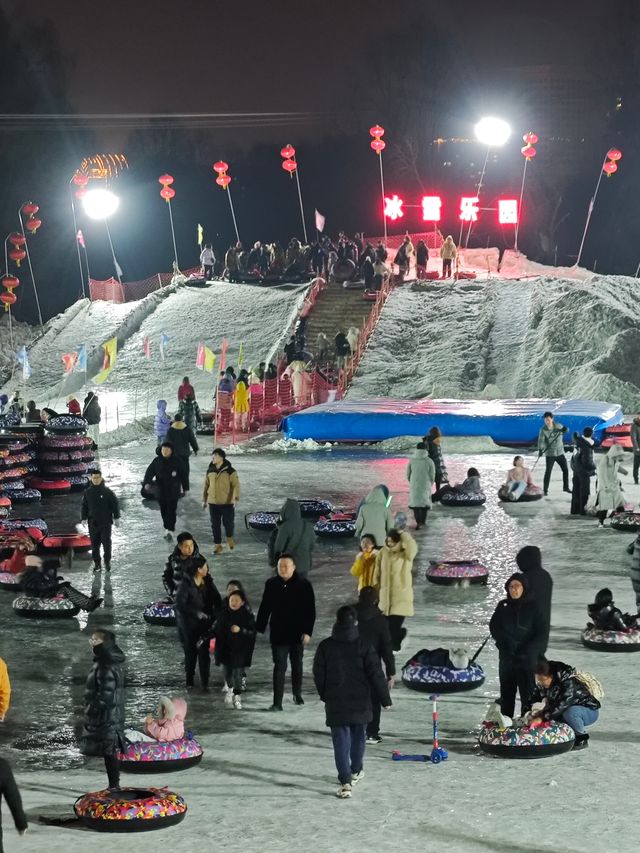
{"type": "Point", "coordinates": [267, 784]}
{"type": "Point", "coordinates": [531, 337]}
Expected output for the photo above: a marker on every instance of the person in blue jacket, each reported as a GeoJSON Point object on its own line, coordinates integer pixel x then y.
{"type": "Point", "coordinates": [162, 421]}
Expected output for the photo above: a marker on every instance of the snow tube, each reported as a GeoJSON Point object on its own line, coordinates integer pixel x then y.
{"type": "Point", "coordinates": [452, 572]}
{"type": "Point", "coordinates": [150, 756]}
{"type": "Point", "coordinates": [314, 508]}
{"type": "Point", "coordinates": [45, 608]}
{"type": "Point", "coordinates": [130, 809]}
{"type": "Point", "coordinates": [457, 498]}
{"type": "Point", "coordinates": [27, 429]}
{"type": "Point", "coordinates": [78, 483]}
{"type": "Point", "coordinates": [261, 520]}
{"type": "Point", "coordinates": [50, 487]}
{"type": "Point", "coordinates": [24, 496]}
{"type": "Point", "coordinates": [64, 468]}
{"type": "Point", "coordinates": [4, 512]}
{"type": "Point", "coordinates": [343, 270]}
{"type": "Point", "coordinates": [442, 679]}
{"type": "Point", "coordinates": [66, 441]}
{"type": "Point", "coordinates": [10, 474]}
{"type": "Point", "coordinates": [14, 446]}
{"type": "Point", "coordinates": [5, 501]}
{"type": "Point", "coordinates": [9, 581]}
{"type": "Point", "coordinates": [66, 425]}
{"type": "Point", "coordinates": [160, 613]}
{"type": "Point", "coordinates": [27, 524]}
{"type": "Point", "coordinates": [611, 641]}
{"type": "Point", "coordinates": [531, 493]}
{"type": "Point", "coordinates": [75, 542]}
{"type": "Point", "coordinates": [339, 525]}
{"type": "Point", "coordinates": [310, 508]}
{"type": "Point", "coordinates": [69, 455]}
{"type": "Point", "coordinates": [628, 522]}
{"type": "Point", "coordinates": [370, 295]}
{"type": "Point", "coordinates": [538, 741]}
{"type": "Point", "coordinates": [9, 421]}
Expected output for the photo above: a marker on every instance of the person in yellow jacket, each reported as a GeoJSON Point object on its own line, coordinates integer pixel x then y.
{"type": "Point", "coordinates": [393, 577]}
{"type": "Point", "coordinates": [241, 400]}
{"type": "Point", "coordinates": [5, 690]}
{"type": "Point", "coordinates": [221, 494]}
{"type": "Point", "coordinates": [448, 253]}
{"type": "Point", "coordinates": [364, 564]}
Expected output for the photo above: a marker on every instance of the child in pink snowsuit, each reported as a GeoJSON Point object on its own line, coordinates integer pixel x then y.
{"type": "Point", "coordinates": [169, 724]}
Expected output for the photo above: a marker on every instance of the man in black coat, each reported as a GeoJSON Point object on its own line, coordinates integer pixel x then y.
{"type": "Point", "coordinates": [9, 790]}
{"type": "Point", "coordinates": [288, 605]}
{"type": "Point", "coordinates": [539, 584]}
{"type": "Point", "coordinates": [104, 713]}
{"type": "Point", "coordinates": [169, 476]}
{"type": "Point", "coordinates": [182, 438]}
{"type": "Point", "coordinates": [100, 509]}
{"type": "Point", "coordinates": [583, 470]}
{"type": "Point", "coordinates": [180, 562]}
{"type": "Point", "coordinates": [373, 628]}
{"type": "Point", "coordinates": [346, 671]}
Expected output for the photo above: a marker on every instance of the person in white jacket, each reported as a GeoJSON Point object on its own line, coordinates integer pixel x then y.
{"type": "Point", "coordinates": [208, 260]}
{"type": "Point", "coordinates": [609, 494]}
{"type": "Point", "coordinates": [374, 516]}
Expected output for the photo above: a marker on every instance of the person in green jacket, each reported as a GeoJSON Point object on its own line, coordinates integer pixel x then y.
{"type": "Point", "coordinates": [551, 446]}
{"type": "Point", "coordinates": [293, 536]}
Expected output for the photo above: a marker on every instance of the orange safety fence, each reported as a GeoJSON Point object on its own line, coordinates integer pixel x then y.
{"type": "Point", "coordinates": [130, 291]}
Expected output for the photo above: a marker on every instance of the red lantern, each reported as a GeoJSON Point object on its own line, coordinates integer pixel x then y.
{"type": "Point", "coordinates": [8, 299]}
{"type": "Point", "coordinates": [614, 154]}
{"type": "Point", "coordinates": [16, 239]}
{"type": "Point", "coordinates": [30, 209]}
{"type": "Point", "coordinates": [165, 180]}
{"type": "Point", "coordinates": [167, 193]}
{"type": "Point", "coordinates": [378, 145]}
{"type": "Point", "coordinates": [10, 281]}
{"type": "Point", "coordinates": [80, 180]}
{"type": "Point", "coordinates": [530, 138]}
{"type": "Point", "coordinates": [220, 167]}
{"type": "Point", "coordinates": [17, 255]}
{"type": "Point", "coordinates": [528, 152]}
{"type": "Point", "coordinates": [32, 224]}
{"type": "Point", "coordinates": [223, 181]}
{"type": "Point", "coordinates": [376, 131]}
{"type": "Point", "coordinates": [609, 169]}
{"type": "Point", "coordinates": [288, 151]}
{"type": "Point", "coordinates": [289, 166]}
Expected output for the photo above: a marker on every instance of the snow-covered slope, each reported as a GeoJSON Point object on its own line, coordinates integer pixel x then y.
{"type": "Point", "coordinates": [532, 337]}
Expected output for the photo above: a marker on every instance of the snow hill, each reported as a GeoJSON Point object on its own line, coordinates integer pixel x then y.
{"type": "Point", "coordinates": [256, 317]}
{"type": "Point", "coordinates": [541, 336]}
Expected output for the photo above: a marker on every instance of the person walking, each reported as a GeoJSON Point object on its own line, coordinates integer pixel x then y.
{"type": "Point", "coordinates": [583, 470]}
{"type": "Point", "coordinates": [161, 422]}
{"type": "Point", "coordinates": [421, 473]}
{"type": "Point", "coordinates": [540, 586]}
{"type": "Point", "coordinates": [221, 494]}
{"type": "Point", "coordinates": [394, 580]}
{"type": "Point", "coordinates": [374, 517]}
{"type": "Point", "coordinates": [518, 628]}
{"type": "Point", "coordinates": [104, 699]}
{"type": "Point", "coordinates": [235, 633]}
{"type": "Point", "coordinates": [207, 261]}
{"type": "Point", "coordinates": [5, 690]}
{"type": "Point", "coordinates": [180, 562]}
{"type": "Point", "coordinates": [635, 442]}
{"type": "Point", "coordinates": [448, 253]}
{"type": "Point", "coordinates": [181, 436]}
{"type": "Point", "coordinates": [551, 446]}
{"type": "Point", "coordinates": [568, 696]}
{"type": "Point", "coordinates": [374, 631]}
{"type": "Point", "coordinates": [92, 413]}
{"type": "Point", "coordinates": [184, 389]}
{"type": "Point", "coordinates": [168, 476]}
{"type": "Point", "coordinates": [9, 790]}
{"type": "Point", "coordinates": [288, 606]}
{"type": "Point", "coordinates": [197, 600]}
{"type": "Point", "coordinates": [101, 510]}
{"type": "Point", "coordinates": [422, 259]}
{"type": "Point", "coordinates": [190, 412]}
{"type": "Point", "coordinates": [293, 535]}
{"type": "Point", "coordinates": [609, 494]}
{"type": "Point", "coordinates": [346, 671]}
{"type": "Point", "coordinates": [433, 441]}
{"type": "Point", "coordinates": [364, 565]}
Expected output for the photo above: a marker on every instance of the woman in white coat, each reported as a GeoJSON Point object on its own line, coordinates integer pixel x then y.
{"type": "Point", "coordinates": [421, 472]}
{"type": "Point", "coordinates": [393, 577]}
{"type": "Point", "coordinates": [374, 516]}
{"type": "Point", "coordinates": [609, 494]}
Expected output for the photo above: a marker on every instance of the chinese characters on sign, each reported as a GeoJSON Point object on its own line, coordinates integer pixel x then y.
{"type": "Point", "coordinates": [469, 209]}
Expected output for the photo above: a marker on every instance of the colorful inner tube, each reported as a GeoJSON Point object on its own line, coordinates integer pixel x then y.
{"type": "Point", "coordinates": [67, 542]}
{"type": "Point", "coordinates": [50, 487]}
{"type": "Point", "coordinates": [13, 474]}
{"type": "Point", "coordinates": [69, 455]}
{"type": "Point", "coordinates": [27, 524]}
{"type": "Point", "coordinates": [78, 483]}
{"type": "Point", "coordinates": [457, 572]}
{"type": "Point", "coordinates": [24, 496]}
{"type": "Point", "coordinates": [531, 493]}
{"type": "Point", "coordinates": [628, 522]}
{"type": "Point", "coordinates": [160, 613]}
{"type": "Point", "coordinates": [66, 441]}
{"type": "Point", "coordinates": [66, 425]}
{"type": "Point", "coordinates": [44, 608]}
{"type": "Point", "coordinates": [456, 498]}
{"type": "Point", "coordinates": [166, 756]}
{"type": "Point", "coordinates": [337, 526]}
{"type": "Point", "coordinates": [130, 809]}
{"type": "Point", "coordinates": [537, 742]}
{"type": "Point", "coordinates": [4, 512]}
{"type": "Point", "coordinates": [64, 468]}
{"type": "Point", "coordinates": [9, 581]}
{"type": "Point", "coordinates": [5, 501]}
{"type": "Point", "coordinates": [442, 679]}
{"type": "Point", "coordinates": [611, 641]}
{"type": "Point", "coordinates": [314, 508]}
{"type": "Point", "coordinates": [261, 520]}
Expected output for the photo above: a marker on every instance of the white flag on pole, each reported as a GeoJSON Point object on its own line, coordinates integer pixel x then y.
{"type": "Point", "coordinates": [320, 220]}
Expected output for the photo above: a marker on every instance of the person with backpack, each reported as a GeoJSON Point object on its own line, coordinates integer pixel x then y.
{"type": "Point", "coordinates": [551, 446]}
{"type": "Point", "coordinates": [570, 696]}
{"type": "Point", "coordinates": [583, 468]}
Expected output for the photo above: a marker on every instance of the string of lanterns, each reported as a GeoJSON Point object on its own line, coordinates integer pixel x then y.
{"type": "Point", "coordinates": [167, 192]}
{"type": "Point", "coordinates": [530, 139]}
{"type": "Point", "coordinates": [377, 143]}
{"type": "Point", "coordinates": [611, 165]}
{"type": "Point", "coordinates": [221, 168]}
{"type": "Point", "coordinates": [288, 154]}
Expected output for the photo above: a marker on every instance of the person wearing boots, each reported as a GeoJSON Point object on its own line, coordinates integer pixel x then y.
{"type": "Point", "coordinates": [551, 446]}
{"type": "Point", "coordinates": [567, 697]}
{"type": "Point", "coordinates": [100, 509]}
{"type": "Point", "coordinates": [221, 494]}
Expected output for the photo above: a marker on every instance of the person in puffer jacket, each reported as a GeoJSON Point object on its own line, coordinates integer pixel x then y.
{"type": "Point", "coordinates": [162, 421]}
{"type": "Point", "coordinates": [374, 516]}
{"type": "Point", "coordinates": [606, 616]}
{"type": "Point", "coordinates": [169, 724]}
{"type": "Point", "coordinates": [565, 698]}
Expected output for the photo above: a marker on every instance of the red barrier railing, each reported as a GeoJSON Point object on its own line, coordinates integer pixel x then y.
{"type": "Point", "coordinates": [368, 327]}
{"type": "Point", "coordinates": [130, 291]}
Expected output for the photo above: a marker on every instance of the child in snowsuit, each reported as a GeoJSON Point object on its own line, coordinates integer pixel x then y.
{"type": "Point", "coordinates": [162, 421]}
{"type": "Point", "coordinates": [364, 564]}
{"type": "Point", "coordinates": [235, 633]}
{"type": "Point", "coordinates": [169, 723]}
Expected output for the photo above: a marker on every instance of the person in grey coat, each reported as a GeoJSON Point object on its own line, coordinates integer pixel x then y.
{"type": "Point", "coordinates": [293, 536]}
{"type": "Point", "coordinates": [551, 446]}
{"type": "Point", "coordinates": [374, 516]}
{"type": "Point", "coordinates": [421, 472]}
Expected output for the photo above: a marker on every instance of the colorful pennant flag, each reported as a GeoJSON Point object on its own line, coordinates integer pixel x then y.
{"type": "Point", "coordinates": [81, 363]}
{"type": "Point", "coordinates": [241, 355]}
{"type": "Point", "coordinates": [23, 359]}
{"type": "Point", "coordinates": [80, 239]}
{"type": "Point", "coordinates": [69, 359]}
{"type": "Point", "coordinates": [164, 340]}
{"type": "Point", "coordinates": [200, 235]}
{"type": "Point", "coordinates": [110, 357]}
{"type": "Point", "coordinates": [146, 346]}
{"type": "Point", "coordinates": [320, 221]}
{"type": "Point", "coordinates": [223, 353]}
{"type": "Point", "coordinates": [200, 357]}
{"type": "Point", "coordinates": [209, 360]}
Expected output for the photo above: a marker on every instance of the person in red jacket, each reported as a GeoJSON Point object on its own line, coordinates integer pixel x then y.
{"type": "Point", "coordinates": [185, 389]}
{"type": "Point", "coordinates": [73, 406]}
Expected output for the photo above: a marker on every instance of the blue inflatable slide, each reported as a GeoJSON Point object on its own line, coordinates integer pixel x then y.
{"type": "Point", "coordinates": [508, 422]}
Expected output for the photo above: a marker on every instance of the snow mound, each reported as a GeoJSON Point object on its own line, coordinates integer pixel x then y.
{"type": "Point", "coordinates": [455, 444]}
{"type": "Point", "coordinates": [138, 430]}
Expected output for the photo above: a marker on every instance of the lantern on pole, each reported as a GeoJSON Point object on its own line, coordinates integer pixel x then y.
{"type": "Point", "coordinates": [167, 193]}
{"type": "Point", "coordinates": [530, 139]}
{"type": "Point", "coordinates": [30, 223]}
{"type": "Point", "coordinates": [378, 145]}
{"type": "Point", "coordinates": [609, 167]}
{"type": "Point", "coordinates": [290, 165]}
{"type": "Point", "coordinates": [223, 180]}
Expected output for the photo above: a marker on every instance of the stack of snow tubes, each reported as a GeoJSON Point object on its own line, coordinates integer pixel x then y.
{"type": "Point", "coordinates": [17, 462]}
{"type": "Point", "coordinates": [64, 456]}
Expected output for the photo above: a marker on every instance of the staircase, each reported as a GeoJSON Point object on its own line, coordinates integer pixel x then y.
{"type": "Point", "coordinates": [336, 309]}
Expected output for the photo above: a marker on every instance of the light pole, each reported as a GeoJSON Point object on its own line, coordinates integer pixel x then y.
{"type": "Point", "coordinates": [100, 204]}
{"type": "Point", "coordinates": [492, 132]}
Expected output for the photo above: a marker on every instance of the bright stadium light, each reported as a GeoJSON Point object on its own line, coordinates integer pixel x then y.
{"type": "Point", "coordinates": [492, 132]}
{"type": "Point", "coordinates": [100, 204]}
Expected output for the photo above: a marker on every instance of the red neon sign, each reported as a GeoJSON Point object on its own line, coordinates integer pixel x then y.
{"type": "Point", "coordinates": [469, 208]}
{"type": "Point", "coordinates": [431, 208]}
{"type": "Point", "coordinates": [508, 211]}
{"type": "Point", "coordinates": [393, 207]}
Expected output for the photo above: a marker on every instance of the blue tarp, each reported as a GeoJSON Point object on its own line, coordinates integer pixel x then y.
{"type": "Point", "coordinates": [513, 422]}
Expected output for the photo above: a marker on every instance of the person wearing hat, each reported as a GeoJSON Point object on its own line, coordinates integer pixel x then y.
{"type": "Point", "coordinates": [100, 509]}
{"type": "Point", "coordinates": [73, 406]}
{"type": "Point", "coordinates": [168, 475]}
